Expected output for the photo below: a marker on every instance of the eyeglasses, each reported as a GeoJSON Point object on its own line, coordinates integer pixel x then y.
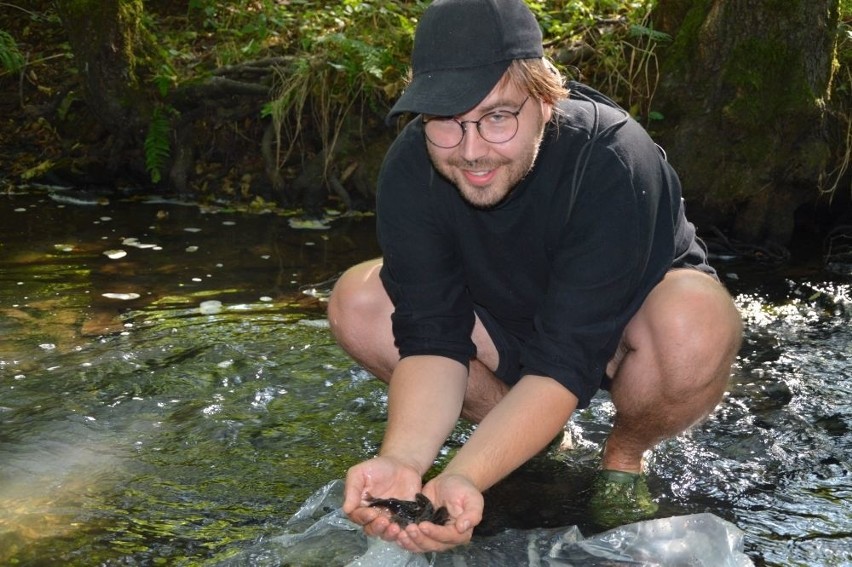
{"type": "Point", "coordinates": [496, 127]}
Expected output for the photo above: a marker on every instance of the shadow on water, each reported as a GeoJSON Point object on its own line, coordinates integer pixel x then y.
{"type": "Point", "coordinates": [169, 392]}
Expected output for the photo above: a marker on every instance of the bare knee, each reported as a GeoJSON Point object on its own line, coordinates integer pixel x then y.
{"type": "Point", "coordinates": [705, 320]}
{"type": "Point", "coordinates": [691, 328]}
{"type": "Point", "coordinates": [358, 300]}
{"type": "Point", "coordinates": [359, 314]}
{"type": "Point", "coordinates": [676, 355]}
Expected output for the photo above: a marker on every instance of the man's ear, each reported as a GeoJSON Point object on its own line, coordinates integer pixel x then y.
{"type": "Point", "coordinates": [546, 111]}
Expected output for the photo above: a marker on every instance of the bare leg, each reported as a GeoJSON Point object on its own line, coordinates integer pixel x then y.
{"type": "Point", "coordinates": [359, 312]}
{"type": "Point", "coordinates": [670, 372]}
{"type": "Point", "coordinates": [673, 365]}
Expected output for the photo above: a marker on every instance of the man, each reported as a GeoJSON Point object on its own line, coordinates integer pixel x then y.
{"type": "Point", "coordinates": [535, 249]}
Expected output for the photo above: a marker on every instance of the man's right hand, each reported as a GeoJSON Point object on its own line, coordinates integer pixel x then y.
{"type": "Point", "coordinates": [380, 477]}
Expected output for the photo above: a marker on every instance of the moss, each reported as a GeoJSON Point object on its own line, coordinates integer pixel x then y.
{"type": "Point", "coordinates": [130, 24]}
{"type": "Point", "coordinates": [765, 76]}
{"type": "Point", "coordinates": [682, 50]}
{"type": "Point", "coordinates": [784, 8]}
{"type": "Point", "coordinates": [117, 23]}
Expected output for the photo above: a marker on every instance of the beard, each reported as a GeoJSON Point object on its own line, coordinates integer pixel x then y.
{"type": "Point", "coordinates": [493, 188]}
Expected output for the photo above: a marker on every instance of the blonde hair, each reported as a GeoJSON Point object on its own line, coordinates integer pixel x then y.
{"type": "Point", "coordinates": [539, 77]}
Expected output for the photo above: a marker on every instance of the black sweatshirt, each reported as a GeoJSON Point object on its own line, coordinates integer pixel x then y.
{"type": "Point", "coordinates": [562, 263]}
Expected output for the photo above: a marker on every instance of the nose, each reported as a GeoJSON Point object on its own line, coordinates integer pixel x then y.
{"type": "Point", "coordinates": [472, 146]}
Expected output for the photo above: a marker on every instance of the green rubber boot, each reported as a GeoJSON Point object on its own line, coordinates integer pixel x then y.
{"type": "Point", "coordinates": [620, 498]}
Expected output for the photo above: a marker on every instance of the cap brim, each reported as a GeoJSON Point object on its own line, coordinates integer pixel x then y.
{"type": "Point", "coordinates": [448, 92]}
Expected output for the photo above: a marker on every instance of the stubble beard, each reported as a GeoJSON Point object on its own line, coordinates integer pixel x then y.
{"type": "Point", "coordinates": [489, 196]}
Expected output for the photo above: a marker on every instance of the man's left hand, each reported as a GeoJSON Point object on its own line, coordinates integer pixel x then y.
{"type": "Point", "coordinates": [465, 505]}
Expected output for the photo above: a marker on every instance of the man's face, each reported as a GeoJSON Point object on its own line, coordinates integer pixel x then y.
{"type": "Point", "coordinates": [485, 172]}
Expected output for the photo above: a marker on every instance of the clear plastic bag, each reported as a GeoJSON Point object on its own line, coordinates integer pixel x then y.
{"type": "Point", "coordinates": [321, 535]}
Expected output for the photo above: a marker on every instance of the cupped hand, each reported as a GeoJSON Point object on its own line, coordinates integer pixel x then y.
{"type": "Point", "coordinates": [465, 504]}
{"type": "Point", "coordinates": [380, 477]}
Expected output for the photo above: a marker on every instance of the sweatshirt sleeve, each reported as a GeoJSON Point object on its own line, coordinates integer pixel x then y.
{"type": "Point", "coordinates": [422, 273]}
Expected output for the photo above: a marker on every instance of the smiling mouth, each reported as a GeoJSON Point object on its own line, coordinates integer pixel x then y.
{"type": "Point", "coordinates": [479, 177]}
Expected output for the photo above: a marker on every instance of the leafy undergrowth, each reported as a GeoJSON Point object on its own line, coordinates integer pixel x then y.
{"type": "Point", "coordinates": [344, 63]}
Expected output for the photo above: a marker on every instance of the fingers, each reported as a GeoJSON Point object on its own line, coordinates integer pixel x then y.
{"type": "Point", "coordinates": [382, 527]}
{"type": "Point", "coordinates": [427, 537]}
{"type": "Point", "coordinates": [384, 477]}
{"type": "Point", "coordinates": [417, 538]}
{"type": "Point", "coordinates": [352, 499]}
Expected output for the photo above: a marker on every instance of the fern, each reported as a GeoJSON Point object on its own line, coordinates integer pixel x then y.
{"type": "Point", "coordinates": [165, 79]}
{"type": "Point", "coordinates": [638, 30]}
{"type": "Point", "coordinates": [157, 146]}
{"type": "Point", "coordinates": [10, 56]}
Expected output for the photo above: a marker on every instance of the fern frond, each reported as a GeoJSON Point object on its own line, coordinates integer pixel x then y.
{"type": "Point", "coordinates": [157, 144]}
{"type": "Point", "coordinates": [11, 58]}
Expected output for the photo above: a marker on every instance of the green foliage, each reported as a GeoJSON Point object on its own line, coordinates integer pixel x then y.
{"type": "Point", "coordinates": [351, 61]}
{"type": "Point", "coordinates": [204, 10]}
{"type": "Point", "coordinates": [11, 58]}
{"type": "Point", "coordinates": [353, 56]}
{"type": "Point", "coordinates": [157, 145]}
{"type": "Point", "coordinates": [65, 105]}
{"type": "Point", "coordinates": [623, 43]}
{"type": "Point", "coordinates": [380, 32]}
{"type": "Point", "coordinates": [758, 66]}
{"type": "Point", "coordinates": [247, 28]}
{"type": "Point", "coordinates": [640, 31]}
{"type": "Point", "coordinates": [348, 59]}
{"type": "Point", "coordinates": [165, 78]}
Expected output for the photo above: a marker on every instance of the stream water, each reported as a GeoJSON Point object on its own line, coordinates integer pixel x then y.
{"type": "Point", "coordinates": [170, 394]}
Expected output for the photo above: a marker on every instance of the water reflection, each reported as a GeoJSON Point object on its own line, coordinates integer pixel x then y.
{"type": "Point", "coordinates": [163, 426]}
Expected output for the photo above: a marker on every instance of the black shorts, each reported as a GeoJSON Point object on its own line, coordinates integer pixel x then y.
{"type": "Point", "coordinates": [509, 346]}
{"type": "Point", "coordinates": [509, 349]}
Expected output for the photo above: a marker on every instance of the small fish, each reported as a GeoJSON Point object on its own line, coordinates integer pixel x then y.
{"type": "Point", "coordinates": [404, 512]}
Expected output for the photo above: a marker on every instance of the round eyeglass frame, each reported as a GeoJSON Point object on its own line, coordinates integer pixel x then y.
{"type": "Point", "coordinates": [463, 127]}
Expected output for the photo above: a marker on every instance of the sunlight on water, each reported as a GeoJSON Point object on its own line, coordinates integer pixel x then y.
{"type": "Point", "coordinates": [187, 424]}
{"type": "Point", "coordinates": [199, 429]}
{"type": "Point", "coordinates": [780, 447]}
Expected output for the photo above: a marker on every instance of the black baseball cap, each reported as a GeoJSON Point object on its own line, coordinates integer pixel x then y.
{"type": "Point", "coordinates": [461, 49]}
